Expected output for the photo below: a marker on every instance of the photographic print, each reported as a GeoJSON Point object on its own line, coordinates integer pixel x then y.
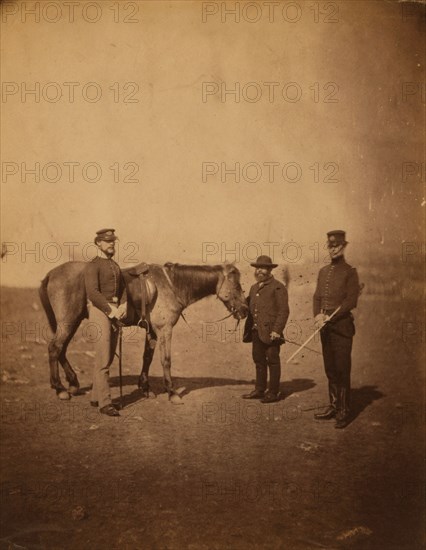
{"type": "Point", "coordinates": [212, 274]}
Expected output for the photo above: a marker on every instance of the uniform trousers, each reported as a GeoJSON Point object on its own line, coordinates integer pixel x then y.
{"type": "Point", "coordinates": [105, 344]}
{"type": "Point", "coordinates": [336, 340]}
{"type": "Point", "coordinates": [266, 356]}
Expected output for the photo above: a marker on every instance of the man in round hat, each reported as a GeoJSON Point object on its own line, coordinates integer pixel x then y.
{"type": "Point", "coordinates": [337, 287]}
{"type": "Point", "coordinates": [104, 289]}
{"type": "Point", "coordinates": [269, 311]}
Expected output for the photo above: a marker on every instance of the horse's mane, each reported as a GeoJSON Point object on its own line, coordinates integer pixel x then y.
{"type": "Point", "coordinates": [194, 281]}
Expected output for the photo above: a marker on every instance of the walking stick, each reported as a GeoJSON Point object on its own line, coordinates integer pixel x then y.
{"type": "Point", "coordinates": [311, 336]}
{"type": "Point", "coordinates": [120, 366]}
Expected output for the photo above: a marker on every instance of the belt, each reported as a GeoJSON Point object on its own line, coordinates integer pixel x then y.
{"type": "Point", "coordinates": [338, 315]}
{"type": "Point", "coordinates": [328, 311]}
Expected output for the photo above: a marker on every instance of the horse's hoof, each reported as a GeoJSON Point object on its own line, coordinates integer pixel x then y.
{"type": "Point", "coordinates": [74, 390]}
{"type": "Point", "coordinates": [175, 399]}
{"type": "Point", "coordinates": [64, 396]}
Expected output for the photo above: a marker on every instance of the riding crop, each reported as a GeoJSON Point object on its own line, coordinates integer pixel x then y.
{"type": "Point", "coordinates": [312, 336]}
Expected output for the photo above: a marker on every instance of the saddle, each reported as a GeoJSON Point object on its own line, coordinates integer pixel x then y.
{"type": "Point", "coordinates": [148, 294]}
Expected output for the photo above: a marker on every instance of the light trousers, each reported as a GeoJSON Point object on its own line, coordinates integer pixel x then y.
{"type": "Point", "coordinates": [105, 344]}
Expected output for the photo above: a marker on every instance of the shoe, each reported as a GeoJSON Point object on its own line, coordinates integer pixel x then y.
{"type": "Point", "coordinates": [96, 404]}
{"type": "Point", "coordinates": [328, 414]}
{"type": "Point", "coordinates": [341, 423]}
{"type": "Point", "coordinates": [109, 410]}
{"type": "Point", "coordinates": [342, 420]}
{"type": "Point", "coordinates": [270, 397]}
{"type": "Point", "coordinates": [255, 394]}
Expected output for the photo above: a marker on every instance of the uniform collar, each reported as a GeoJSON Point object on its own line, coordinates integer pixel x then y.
{"type": "Point", "coordinates": [102, 255]}
{"type": "Point", "coordinates": [338, 261]}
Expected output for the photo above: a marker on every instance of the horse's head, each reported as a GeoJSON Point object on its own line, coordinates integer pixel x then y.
{"type": "Point", "coordinates": [230, 292]}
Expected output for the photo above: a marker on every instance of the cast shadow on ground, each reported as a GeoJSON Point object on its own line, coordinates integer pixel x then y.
{"type": "Point", "coordinates": [131, 393]}
{"type": "Point", "coordinates": [287, 388]}
{"type": "Point", "coordinates": [130, 382]}
{"type": "Point", "coordinates": [361, 398]}
{"type": "Point", "coordinates": [297, 385]}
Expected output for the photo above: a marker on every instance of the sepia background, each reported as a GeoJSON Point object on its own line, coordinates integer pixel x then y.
{"type": "Point", "coordinates": [134, 115]}
{"type": "Point", "coordinates": [355, 106]}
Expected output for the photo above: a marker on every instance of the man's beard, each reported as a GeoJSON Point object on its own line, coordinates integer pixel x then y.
{"type": "Point", "coordinates": [261, 277]}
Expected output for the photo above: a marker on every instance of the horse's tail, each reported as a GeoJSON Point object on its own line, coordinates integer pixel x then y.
{"type": "Point", "coordinates": [45, 302]}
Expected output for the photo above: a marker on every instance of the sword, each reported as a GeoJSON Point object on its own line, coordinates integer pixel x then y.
{"type": "Point", "coordinates": [312, 336]}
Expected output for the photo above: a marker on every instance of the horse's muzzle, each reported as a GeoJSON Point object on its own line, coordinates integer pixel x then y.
{"type": "Point", "coordinates": [240, 312]}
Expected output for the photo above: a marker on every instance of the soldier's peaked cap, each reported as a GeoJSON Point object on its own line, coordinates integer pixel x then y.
{"type": "Point", "coordinates": [337, 236]}
{"type": "Point", "coordinates": [106, 235]}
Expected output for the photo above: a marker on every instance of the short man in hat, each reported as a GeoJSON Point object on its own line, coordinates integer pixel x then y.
{"type": "Point", "coordinates": [269, 311]}
{"type": "Point", "coordinates": [104, 289]}
{"type": "Point", "coordinates": [337, 287]}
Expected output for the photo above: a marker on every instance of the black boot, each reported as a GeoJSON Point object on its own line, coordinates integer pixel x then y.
{"type": "Point", "coordinates": [342, 417]}
{"type": "Point", "coordinates": [330, 411]}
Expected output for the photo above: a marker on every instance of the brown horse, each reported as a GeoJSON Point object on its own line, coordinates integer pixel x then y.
{"type": "Point", "coordinates": [63, 296]}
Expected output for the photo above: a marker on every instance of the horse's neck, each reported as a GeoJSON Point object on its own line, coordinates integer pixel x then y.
{"type": "Point", "coordinates": [193, 283]}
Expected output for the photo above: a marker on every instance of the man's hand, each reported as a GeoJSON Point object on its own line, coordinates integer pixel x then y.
{"type": "Point", "coordinates": [122, 310]}
{"type": "Point", "coordinates": [274, 335]}
{"type": "Point", "coordinates": [320, 320]}
{"type": "Point", "coordinates": [114, 313]}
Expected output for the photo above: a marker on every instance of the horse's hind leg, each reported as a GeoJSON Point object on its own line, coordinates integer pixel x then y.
{"type": "Point", "coordinates": [56, 348]}
{"type": "Point", "coordinates": [70, 374]}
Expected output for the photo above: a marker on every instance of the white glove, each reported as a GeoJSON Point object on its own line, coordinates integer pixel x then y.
{"type": "Point", "coordinates": [122, 310]}
{"type": "Point", "coordinates": [114, 313]}
{"type": "Point", "coordinates": [320, 320]}
{"type": "Point", "coordinates": [274, 335]}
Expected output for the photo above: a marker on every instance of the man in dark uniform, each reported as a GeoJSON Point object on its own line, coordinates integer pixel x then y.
{"type": "Point", "coordinates": [337, 286]}
{"type": "Point", "coordinates": [104, 288]}
{"type": "Point", "coordinates": [269, 311]}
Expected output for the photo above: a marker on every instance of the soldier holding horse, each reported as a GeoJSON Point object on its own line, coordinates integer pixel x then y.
{"type": "Point", "coordinates": [104, 285]}
{"type": "Point", "coordinates": [160, 293]}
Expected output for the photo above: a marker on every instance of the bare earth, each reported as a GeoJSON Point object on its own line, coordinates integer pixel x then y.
{"type": "Point", "coordinates": [215, 472]}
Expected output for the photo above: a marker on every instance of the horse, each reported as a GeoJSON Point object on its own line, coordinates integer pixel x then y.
{"type": "Point", "coordinates": [63, 297]}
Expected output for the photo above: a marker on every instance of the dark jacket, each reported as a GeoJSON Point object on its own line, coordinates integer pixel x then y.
{"type": "Point", "coordinates": [104, 283]}
{"type": "Point", "coordinates": [337, 285]}
{"type": "Point", "coordinates": [269, 311]}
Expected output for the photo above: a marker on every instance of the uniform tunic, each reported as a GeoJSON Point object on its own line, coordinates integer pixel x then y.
{"type": "Point", "coordinates": [337, 285]}
{"type": "Point", "coordinates": [104, 283]}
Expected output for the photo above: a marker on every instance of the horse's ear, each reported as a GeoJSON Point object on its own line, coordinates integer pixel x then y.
{"type": "Point", "coordinates": [232, 268]}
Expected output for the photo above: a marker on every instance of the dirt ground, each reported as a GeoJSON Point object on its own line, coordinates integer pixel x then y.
{"type": "Point", "coordinates": [215, 472]}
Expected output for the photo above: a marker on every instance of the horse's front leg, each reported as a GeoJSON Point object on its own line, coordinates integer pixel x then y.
{"type": "Point", "coordinates": [143, 382]}
{"type": "Point", "coordinates": [165, 341]}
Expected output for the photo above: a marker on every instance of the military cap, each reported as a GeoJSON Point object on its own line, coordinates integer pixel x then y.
{"type": "Point", "coordinates": [263, 261]}
{"type": "Point", "coordinates": [336, 237]}
{"type": "Point", "coordinates": [106, 235]}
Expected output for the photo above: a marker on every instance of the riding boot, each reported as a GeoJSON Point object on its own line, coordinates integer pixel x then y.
{"type": "Point", "coordinates": [342, 417]}
{"type": "Point", "coordinates": [330, 411]}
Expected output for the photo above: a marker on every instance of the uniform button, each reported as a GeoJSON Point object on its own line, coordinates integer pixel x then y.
{"type": "Point", "coordinates": [257, 294]}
